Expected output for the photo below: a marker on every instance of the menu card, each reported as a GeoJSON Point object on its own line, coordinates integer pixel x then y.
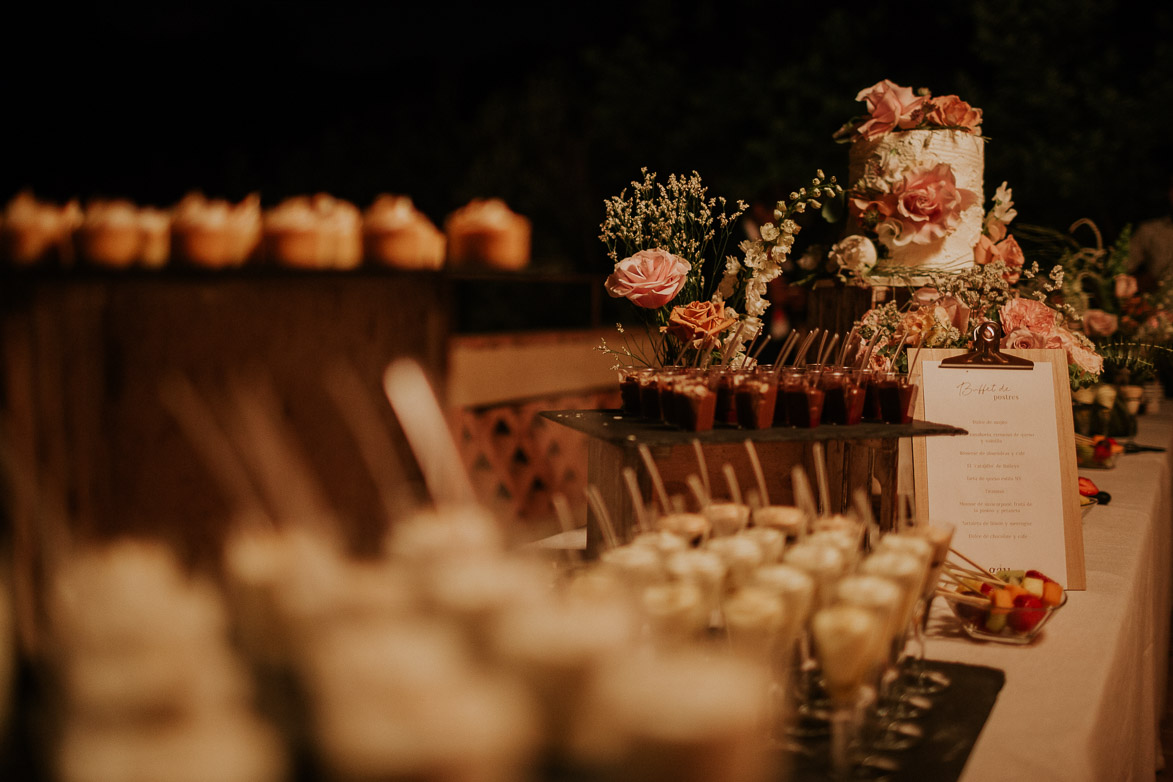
{"type": "Point", "coordinates": [1009, 485]}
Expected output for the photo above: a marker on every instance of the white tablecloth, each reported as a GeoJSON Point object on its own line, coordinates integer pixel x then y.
{"type": "Point", "coordinates": [1084, 701]}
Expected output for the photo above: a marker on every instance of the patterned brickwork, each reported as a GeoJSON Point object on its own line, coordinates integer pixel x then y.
{"type": "Point", "coordinates": [518, 460]}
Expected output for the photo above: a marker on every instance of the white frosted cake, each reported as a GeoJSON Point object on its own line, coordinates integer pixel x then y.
{"type": "Point", "coordinates": [915, 183]}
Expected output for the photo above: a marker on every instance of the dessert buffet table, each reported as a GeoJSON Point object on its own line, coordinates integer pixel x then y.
{"type": "Point", "coordinates": [1084, 701]}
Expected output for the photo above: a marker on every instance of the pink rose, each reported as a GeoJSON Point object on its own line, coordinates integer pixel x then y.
{"type": "Point", "coordinates": [1007, 251]}
{"type": "Point", "coordinates": [1029, 314]}
{"type": "Point", "coordinates": [1097, 323]}
{"type": "Point", "coordinates": [950, 111]}
{"type": "Point", "coordinates": [928, 205]}
{"type": "Point", "coordinates": [1023, 339]}
{"type": "Point", "coordinates": [890, 106]}
{"type": "Point", "coordinates": [1078, 353]}
{"type": "Point", "coordinates": [952, 311]}
{"type": "Point", "coordinates": [1125, 286]}
{"type": "Point", "coordinates": [650, 278]}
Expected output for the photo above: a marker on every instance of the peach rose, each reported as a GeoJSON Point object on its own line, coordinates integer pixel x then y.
{"type": "Point", "coordinates": [700, 320]}
{"type": "Point", "coordinates": [950, 111]}
{"type": "Point", "coordinates": [1007, 251]}
{"type": "Point", "coordinates": [890, 106]}
{"type": "Point", "coordinates": [1097, 323]}
{"type": "Point", "coordinates": [928, 205]}
{"type": "Point", "coordinates": [1125, 286]}
{"type": "Point", "coordinates": [1023, 339]}
{"type": "Point", "coordinates": [649, 279]}
{"type": "Point", "coordinates": [953, 312]}
{"type": "Point", "coordinates": [1078, 353]}
{"type": "Point", "coordinates": [1029, 314]}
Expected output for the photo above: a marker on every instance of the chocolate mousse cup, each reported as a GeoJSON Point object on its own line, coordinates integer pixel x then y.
{"type": "Point", "coordinates": [802, 397]}
{"type": "Point", "coordinates": [696, 402]}
{"type": "Point", "coordinates": [896, 397]}
{"type": "Point", "coordinates": [754, 399]}
{"type": "Point", "coordinates": [629, 390]}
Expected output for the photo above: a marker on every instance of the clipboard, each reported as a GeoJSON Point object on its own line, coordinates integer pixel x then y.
{"type": "Point", "coordinates": [1011, 486]}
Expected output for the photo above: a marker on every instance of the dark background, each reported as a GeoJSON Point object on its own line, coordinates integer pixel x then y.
{"type": "Point", "coordinates": [556, 106]}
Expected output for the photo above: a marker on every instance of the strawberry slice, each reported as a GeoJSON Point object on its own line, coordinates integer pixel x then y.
{"type": "Point", "coordinates": [1029, 611]}
{"type": "Point", "coordinates": [1037, 574]}
{"type": "Point", "coordinates": [1087, 488]}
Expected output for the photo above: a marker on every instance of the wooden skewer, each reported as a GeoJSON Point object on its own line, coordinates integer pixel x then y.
{"type": "Point", "coordinates": [423, 424]}
{"type": "Point", "coordinates": [825, 354]}
{"type": "Point", "coordinates": [800, 359]}
{"type": "Point", "coordinates": [759, 474]}
{"type": "Point", "coordinates": [702, 466]}
{"type": "Point", "coordinates": [867, 519]}
{"type": "Point", "coordinates": [566, 522]}
{"type": "Point", "coordinates": [803, 496]}
{"type": "Point", "coordinates": [949, 594]}
{"type": "Point", "coordinates": [731, 480]}
{"type": "Point", "coordinates": [698, 491]}
{"type": "Point", "coordinates": [846, 345]}
{"type": "Point", "coordinates": [637, 500]}
{"type": "Point", "coordinates": [968, 560]}
{"type": "Point", "coordinates": [973, 575]}
{"type": "Point", "coordinates": [599, 507]}
{"type": "Point", "coordinates": [761, 346]}
{"type": "Point", "coordinates": [645, 453]}
{"type": "Point", "coordinates": [361, 418]}
{"type": "Point", "coordinates": [787, 346]}
{"type": "Point", "coordinates": [821, 478]}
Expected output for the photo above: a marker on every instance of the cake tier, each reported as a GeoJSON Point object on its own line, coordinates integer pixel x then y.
{"type": "Point", "coordinates": [877, 163]}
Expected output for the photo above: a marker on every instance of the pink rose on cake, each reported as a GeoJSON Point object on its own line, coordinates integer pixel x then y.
{"type": "Point", "coordinates": [923, 207]}
{"type": "Point", "coordinates": [649, 279]}
{"type": "Point", "coordinates": [890, 106]}
{"type": "Point", "coordinates": [950, 111]}
{"type": "Point", "coordinates": [1030, 314]}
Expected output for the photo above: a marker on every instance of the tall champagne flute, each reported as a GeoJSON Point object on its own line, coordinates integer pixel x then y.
{"type": "Point", "coordinates": [825, 565]}
{"type": "Point", "coordinates": [924, 681]}
{"type": "Point", "coordinates": [846, 638]}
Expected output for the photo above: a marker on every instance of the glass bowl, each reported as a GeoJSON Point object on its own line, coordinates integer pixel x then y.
{"type": "Point", "coordinates": [1020, 626]}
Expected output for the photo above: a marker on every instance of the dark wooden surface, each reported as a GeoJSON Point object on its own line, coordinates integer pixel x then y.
{"type": "Point", "coordinates": [614, 427]}
{"type": "Point", "coordinates": [85, 354]}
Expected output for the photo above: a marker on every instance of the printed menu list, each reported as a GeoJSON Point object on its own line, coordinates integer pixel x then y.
{"type": "Point", "coordinates": [1001, 484]}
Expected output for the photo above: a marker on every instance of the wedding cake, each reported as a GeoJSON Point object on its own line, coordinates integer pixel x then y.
{"type": "Point", "coordinates": [915, 184]}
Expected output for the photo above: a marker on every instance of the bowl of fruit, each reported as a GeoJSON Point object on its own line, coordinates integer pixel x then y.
{"type": "Point", "coordinates": [1011, 606]}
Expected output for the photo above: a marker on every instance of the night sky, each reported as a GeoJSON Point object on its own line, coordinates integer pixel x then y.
{"type": "Point", "coordinates": [556, 106]}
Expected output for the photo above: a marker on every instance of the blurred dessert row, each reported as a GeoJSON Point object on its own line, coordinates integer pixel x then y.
{"type": "Point", "coordinates": [305, 232]}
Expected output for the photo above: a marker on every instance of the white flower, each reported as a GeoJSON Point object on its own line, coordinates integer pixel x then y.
{"type": "Point", "coordinates": [1003, 209]}
{"type": "Point", "coordinates": [729, 282]}
{"type": "Point", "coordinates": [855, 254]}
{"type": "Point", "coordinates": [769, 232]}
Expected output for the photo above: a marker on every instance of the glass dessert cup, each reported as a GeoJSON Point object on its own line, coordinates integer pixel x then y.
{"type": "Point", "coordinates": [754, 398]}
{"type": "Point", "coordinates": [1017, 625]}
{"type": "Point", "coordinates": [666, 383]}
{"type": "Point", "coordinates": [842, 397]}
{"type": "Point", "coordinates": [649, 395]}
{"type": "Point", "coordinates": [694, 401]}
{"type": "Point", "coordinates": [726, 380]}
{"type": "Point", "coordinates": [629, 386]}
{"type": "Point", "coordinates": [895, 397]}
{"type": "Point", "coordinates": [801, 397]}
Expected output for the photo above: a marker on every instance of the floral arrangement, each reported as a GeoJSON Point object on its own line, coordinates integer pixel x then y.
{"type": "Point", "coordinates": [1027, 305]}
{"type": "Point", "coordinates": [668, 243]}
{"type": "Point", "coordinates": [1132, 330]}
{"type": "Point", "coordinates": [892, 107]}
{"type": "Point", "coordinates": [897, 201]}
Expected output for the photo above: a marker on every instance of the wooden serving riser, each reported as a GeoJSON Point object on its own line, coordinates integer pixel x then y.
{"type": "Point", "coordinates": [860, 455]}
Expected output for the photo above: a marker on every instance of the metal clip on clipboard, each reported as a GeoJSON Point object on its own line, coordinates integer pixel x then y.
{"type": "Point", "coordinates": [985, 353]}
